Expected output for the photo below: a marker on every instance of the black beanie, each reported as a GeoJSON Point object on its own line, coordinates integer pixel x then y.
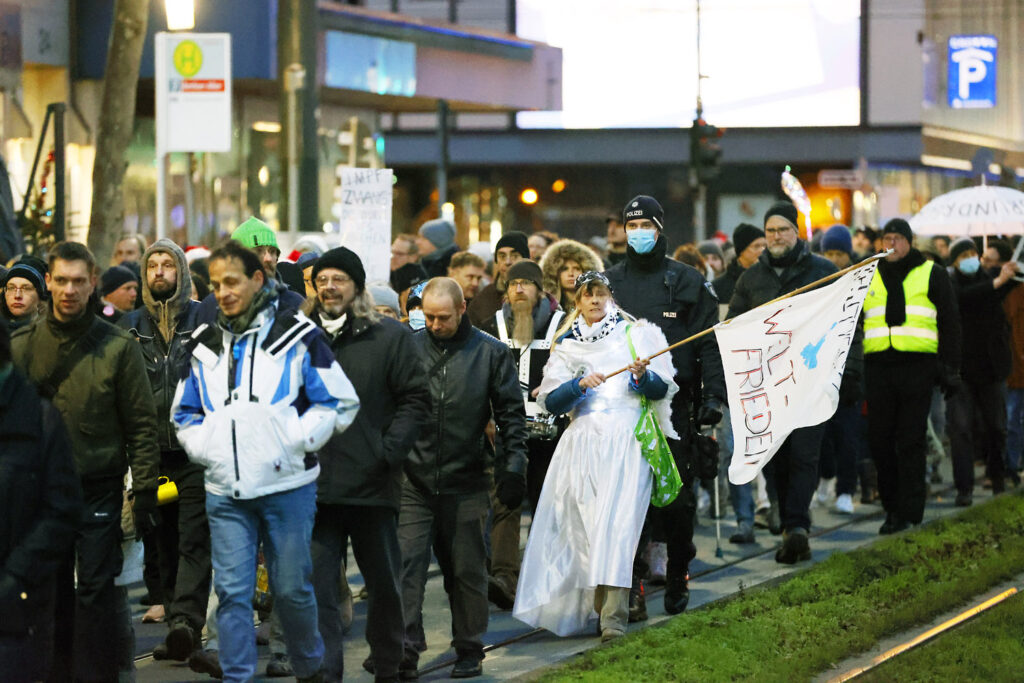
{"type": "Point", "coordinates": [33, 270]}
{"type": "Point", "coordinates": [641, 207]}
{"type": "Point", "coordinates": [960, 246]}
{"type": "Point", "coordinates": [409, 275]}
{"type": "Point", "coordinates": [744, 235]}
{"type": "Point", "coordinates": [114, 277]}
{"type": "Point", "coordinates": [527, 270]}
{"type": "Point", "coordinates": [515, 239]}
{"type": "Point", "coordinates": [344, 260]}
{"type": "Point", "coordinates": [900, 227]}
{"type": "Point", "coordinates": [784, 209]}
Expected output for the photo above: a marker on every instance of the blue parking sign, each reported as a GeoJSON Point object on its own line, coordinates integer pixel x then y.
{"type": "Point", "coordinates": [972, 72]}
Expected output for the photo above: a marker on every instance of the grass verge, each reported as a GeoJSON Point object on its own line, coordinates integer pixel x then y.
{"type": "Point", "coordinates": [986, 648]}
{"type": "Point", "coordinates": [831, 611]}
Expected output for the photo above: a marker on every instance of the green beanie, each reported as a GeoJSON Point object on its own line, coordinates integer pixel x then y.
{"type": "Point", "coordinates": [255, 233]}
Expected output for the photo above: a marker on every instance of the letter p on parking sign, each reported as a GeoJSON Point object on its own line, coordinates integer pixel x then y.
{"type": "Point", "coordinates": [971, 82]}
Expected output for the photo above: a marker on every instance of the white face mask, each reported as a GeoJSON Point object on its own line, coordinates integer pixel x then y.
{"type": "Point", "coordinates": [417, 320]}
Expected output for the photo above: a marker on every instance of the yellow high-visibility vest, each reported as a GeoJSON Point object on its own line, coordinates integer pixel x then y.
{"type": "Point", "coordinates": [919, 333]}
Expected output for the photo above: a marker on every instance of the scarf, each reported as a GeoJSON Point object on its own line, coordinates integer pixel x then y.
{"type": "Point", "coordinates": [893, 275]}
{"type": "Point", "coordinates": [787, 259]}
{"type": "Point", "coordinates": [581, 331]}
{"type": "Point", "coordinates": [332, 326]}
{"type": "Point", "coordinates": [241, 322]}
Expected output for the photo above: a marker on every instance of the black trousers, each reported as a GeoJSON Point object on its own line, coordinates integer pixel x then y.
{"type": "Point", "coordinates": [675, 520]}
{"type": "Point", "coordinates": [899, 399]}
{"type": "Point", "coordinates": [88, 640]}
{"type": "Point", "coordinates": [374, 534]}
{"type": "Point", "coordinates": [794, 472]}
{"type": "Point", "coordinates": [183, 546]}
{"type": "Point", "coordinates": [976, 425]}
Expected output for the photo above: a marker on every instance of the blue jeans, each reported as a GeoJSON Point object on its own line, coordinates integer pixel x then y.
{"type": "Point", "coordinates": [740, 496]}
{"type": "Point", "coordinates": [1014, 428]}
{"type": "Point", "coordinates": [283, 522]}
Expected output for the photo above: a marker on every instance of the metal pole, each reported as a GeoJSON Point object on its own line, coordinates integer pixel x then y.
{"type": "Point", "coordinates": [59, 159]}
{"type": "Point", "coordinates": [442, 161]}
{"type": "Point", "coordinates": [294, 80]}
{"type": "Point", "coordinates": [190, 201]}
{"type": "Point", "coordinates": [161, 194]}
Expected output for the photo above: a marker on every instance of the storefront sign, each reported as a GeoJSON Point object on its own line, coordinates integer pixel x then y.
{"type": "Point", "coordinates": [365, 217]}
{"type": "Point", "coordinates": [193, 92]}
{"type": "Point", "coordinates": [972, 72]}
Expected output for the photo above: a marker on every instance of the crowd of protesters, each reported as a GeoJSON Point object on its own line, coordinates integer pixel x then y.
{"type": "Point", "coordinates": [243, 415]}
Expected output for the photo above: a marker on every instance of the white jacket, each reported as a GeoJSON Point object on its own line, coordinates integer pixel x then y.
{"type": "Point", "coordinates": [257, 432]}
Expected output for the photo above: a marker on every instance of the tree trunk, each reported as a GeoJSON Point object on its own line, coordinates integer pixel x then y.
{"type": "Point", "coordinates": [117, 116]}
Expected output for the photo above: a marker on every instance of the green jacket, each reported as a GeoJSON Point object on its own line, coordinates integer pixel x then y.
{"type": "Point", "coordinates": [105, 401]}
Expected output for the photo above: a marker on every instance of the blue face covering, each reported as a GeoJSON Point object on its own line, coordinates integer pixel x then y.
{"type": "Point", "coordinates": [970, 265]}
{"type": "Point", "coordinates": [642, 239]}
{"type": "Point", "coordinates": [417, 320]}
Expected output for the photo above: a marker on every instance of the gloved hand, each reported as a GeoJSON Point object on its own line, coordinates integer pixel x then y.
{"type": "Point", "coordinates": [147, 517]}
{"type": "Point", "coordinates": [710, 413]}
{"type": "Point", "coordinates": [949, 380]}
{"type": "Point", "coordinates": [510, 489]}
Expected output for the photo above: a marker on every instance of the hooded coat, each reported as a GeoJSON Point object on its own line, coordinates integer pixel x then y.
{"type": "Point", "coordinates": [553, 261]}
{"type": "Point", "coordinates": [162, 329]}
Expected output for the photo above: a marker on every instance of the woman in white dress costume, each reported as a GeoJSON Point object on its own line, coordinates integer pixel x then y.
{"type": "Point", "coordinates": [579, 556]}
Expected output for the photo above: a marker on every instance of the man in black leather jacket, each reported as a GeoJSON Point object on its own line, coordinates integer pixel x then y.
{"type": "Point", "coordinates": [676, 298]}
{"type": "Point", "coordinates": [182, 539]}
{"type": "Point", "coordinates": [471, 376]}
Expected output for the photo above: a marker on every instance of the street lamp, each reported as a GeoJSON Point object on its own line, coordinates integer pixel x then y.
{"type": "Point", "coordinates": [181, 15]}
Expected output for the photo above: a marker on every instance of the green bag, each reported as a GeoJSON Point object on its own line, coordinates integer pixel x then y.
{"type": "Point", "coordinates": [654, 447]}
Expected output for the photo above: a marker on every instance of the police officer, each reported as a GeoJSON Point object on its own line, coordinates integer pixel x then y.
{"type": "Point", "coordinates": [674, 296]}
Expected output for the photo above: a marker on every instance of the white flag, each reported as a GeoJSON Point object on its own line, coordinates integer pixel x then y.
{"type": "Point", "coordinates": [783, 366]}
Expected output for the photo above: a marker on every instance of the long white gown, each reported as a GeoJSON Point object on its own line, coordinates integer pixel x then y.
{"type": "Point", "coordinates": [587, 524]}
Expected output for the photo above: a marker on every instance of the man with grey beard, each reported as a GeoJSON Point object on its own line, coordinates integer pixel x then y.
{"type": "Point", "coordinates": [527, 322]}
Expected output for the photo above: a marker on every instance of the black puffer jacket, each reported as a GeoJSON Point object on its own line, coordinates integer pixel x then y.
{"type": "Point", "coordinates": [166, 361]}
{"type": "Point", "coordinates": [363, 466]}
{"type": "Point", "coordinates": [470, 376]}
{"type": "Point", "coordinates": [760, 283]}
{"type": "Point", "coordinates": [676, 298]}
{"type": "Point", "coordinates": [40, 503]}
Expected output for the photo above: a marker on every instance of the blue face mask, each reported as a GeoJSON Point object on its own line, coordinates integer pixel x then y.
{"type": "Point", "coordinates": [642, 239]}
{"type": "Point", "coordinates": [969, 266]}
{"type": "Point", "coordinates": [417, 320]}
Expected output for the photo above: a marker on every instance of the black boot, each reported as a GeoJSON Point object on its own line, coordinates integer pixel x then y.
{"type": "Point", "coordinates": [677, 593]}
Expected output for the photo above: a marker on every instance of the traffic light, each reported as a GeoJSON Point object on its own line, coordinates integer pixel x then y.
{"type": "Point", "coordinates": [705, 152]}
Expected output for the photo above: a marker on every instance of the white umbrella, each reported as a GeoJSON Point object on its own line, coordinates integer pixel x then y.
{"type": "Point", "coordinates": [982, 210]}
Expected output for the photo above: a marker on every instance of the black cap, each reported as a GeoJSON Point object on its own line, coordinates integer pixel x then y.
{"type": "Point", "coordinates": [641, 207]}
{"type": "Point", "coordinates": [960, 246]}
{"type": "Point", "coordinates": [900, 227]}
{"type": "Point", "coordinates": [515, 239]}
{"type": "Point", "coordinates": [114, 277]}
{"type": "Point", "coordinates": [744, 235]}
{"type": "Point", "coordinates": [345, 260]}
{"type": "Point", "coordinates": [33, 270]}
{"type": "Point", "coordinates": [784, 209]}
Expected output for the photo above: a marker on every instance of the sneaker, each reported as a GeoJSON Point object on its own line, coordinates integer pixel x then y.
{"type": "Point", "coordinates": [963, 500]}
{"type": "Point", "coordinates": [206, 662]}
{"type": "Point", "coordinates": [467, 667]}
{"type": "Point", "coordinates": [844, 504]}
{"type": "Point", "coordinates": [795, 548]}
{"type": "Point", "coordinates": [703, 501]}
{"type": "Point", "coordinates": [824, 494]}
{"type": "Point", "coordinates": [637, 602]}
{"type": "Point", "coordinates": [279, 666]}
{"type": "Point", "coordinates": [180, 641]}
{"type": "Point", "coordinates": [611, 634]}
{"type": "Point", "coordinates": [499, 593]}
{"type": "Point", "coordinates": [677, 594]}
{"type": "Point", "coordinates": [657, 559]}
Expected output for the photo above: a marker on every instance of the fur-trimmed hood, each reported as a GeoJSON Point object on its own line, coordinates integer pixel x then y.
{"type": "Point", "coordinates": [556, 256]}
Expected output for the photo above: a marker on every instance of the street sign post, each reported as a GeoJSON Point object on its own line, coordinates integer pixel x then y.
{"type": "Point", "coordinates": [193, 101]}
{"type": "Point", "coordinates": [971, 82]}
{"type": "Point", "coordinates": [840, 179]}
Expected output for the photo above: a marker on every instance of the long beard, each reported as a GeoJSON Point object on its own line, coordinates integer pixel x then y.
{"type": "Point", "coordinates": [522, 322]}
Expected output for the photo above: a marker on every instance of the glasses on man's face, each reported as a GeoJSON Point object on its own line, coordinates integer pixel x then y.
{"type": "Point", "coordinates": [516, 284]}
{"type": "Point", "coordinates": [19, 289]}
{"type": "Point", "coordinates": [775, 232]}
{"type": "Point", "coordinates": [332, 280]}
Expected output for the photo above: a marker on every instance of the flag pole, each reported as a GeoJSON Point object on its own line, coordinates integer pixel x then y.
{"type": "Point", "coordinates": [800, 290]}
